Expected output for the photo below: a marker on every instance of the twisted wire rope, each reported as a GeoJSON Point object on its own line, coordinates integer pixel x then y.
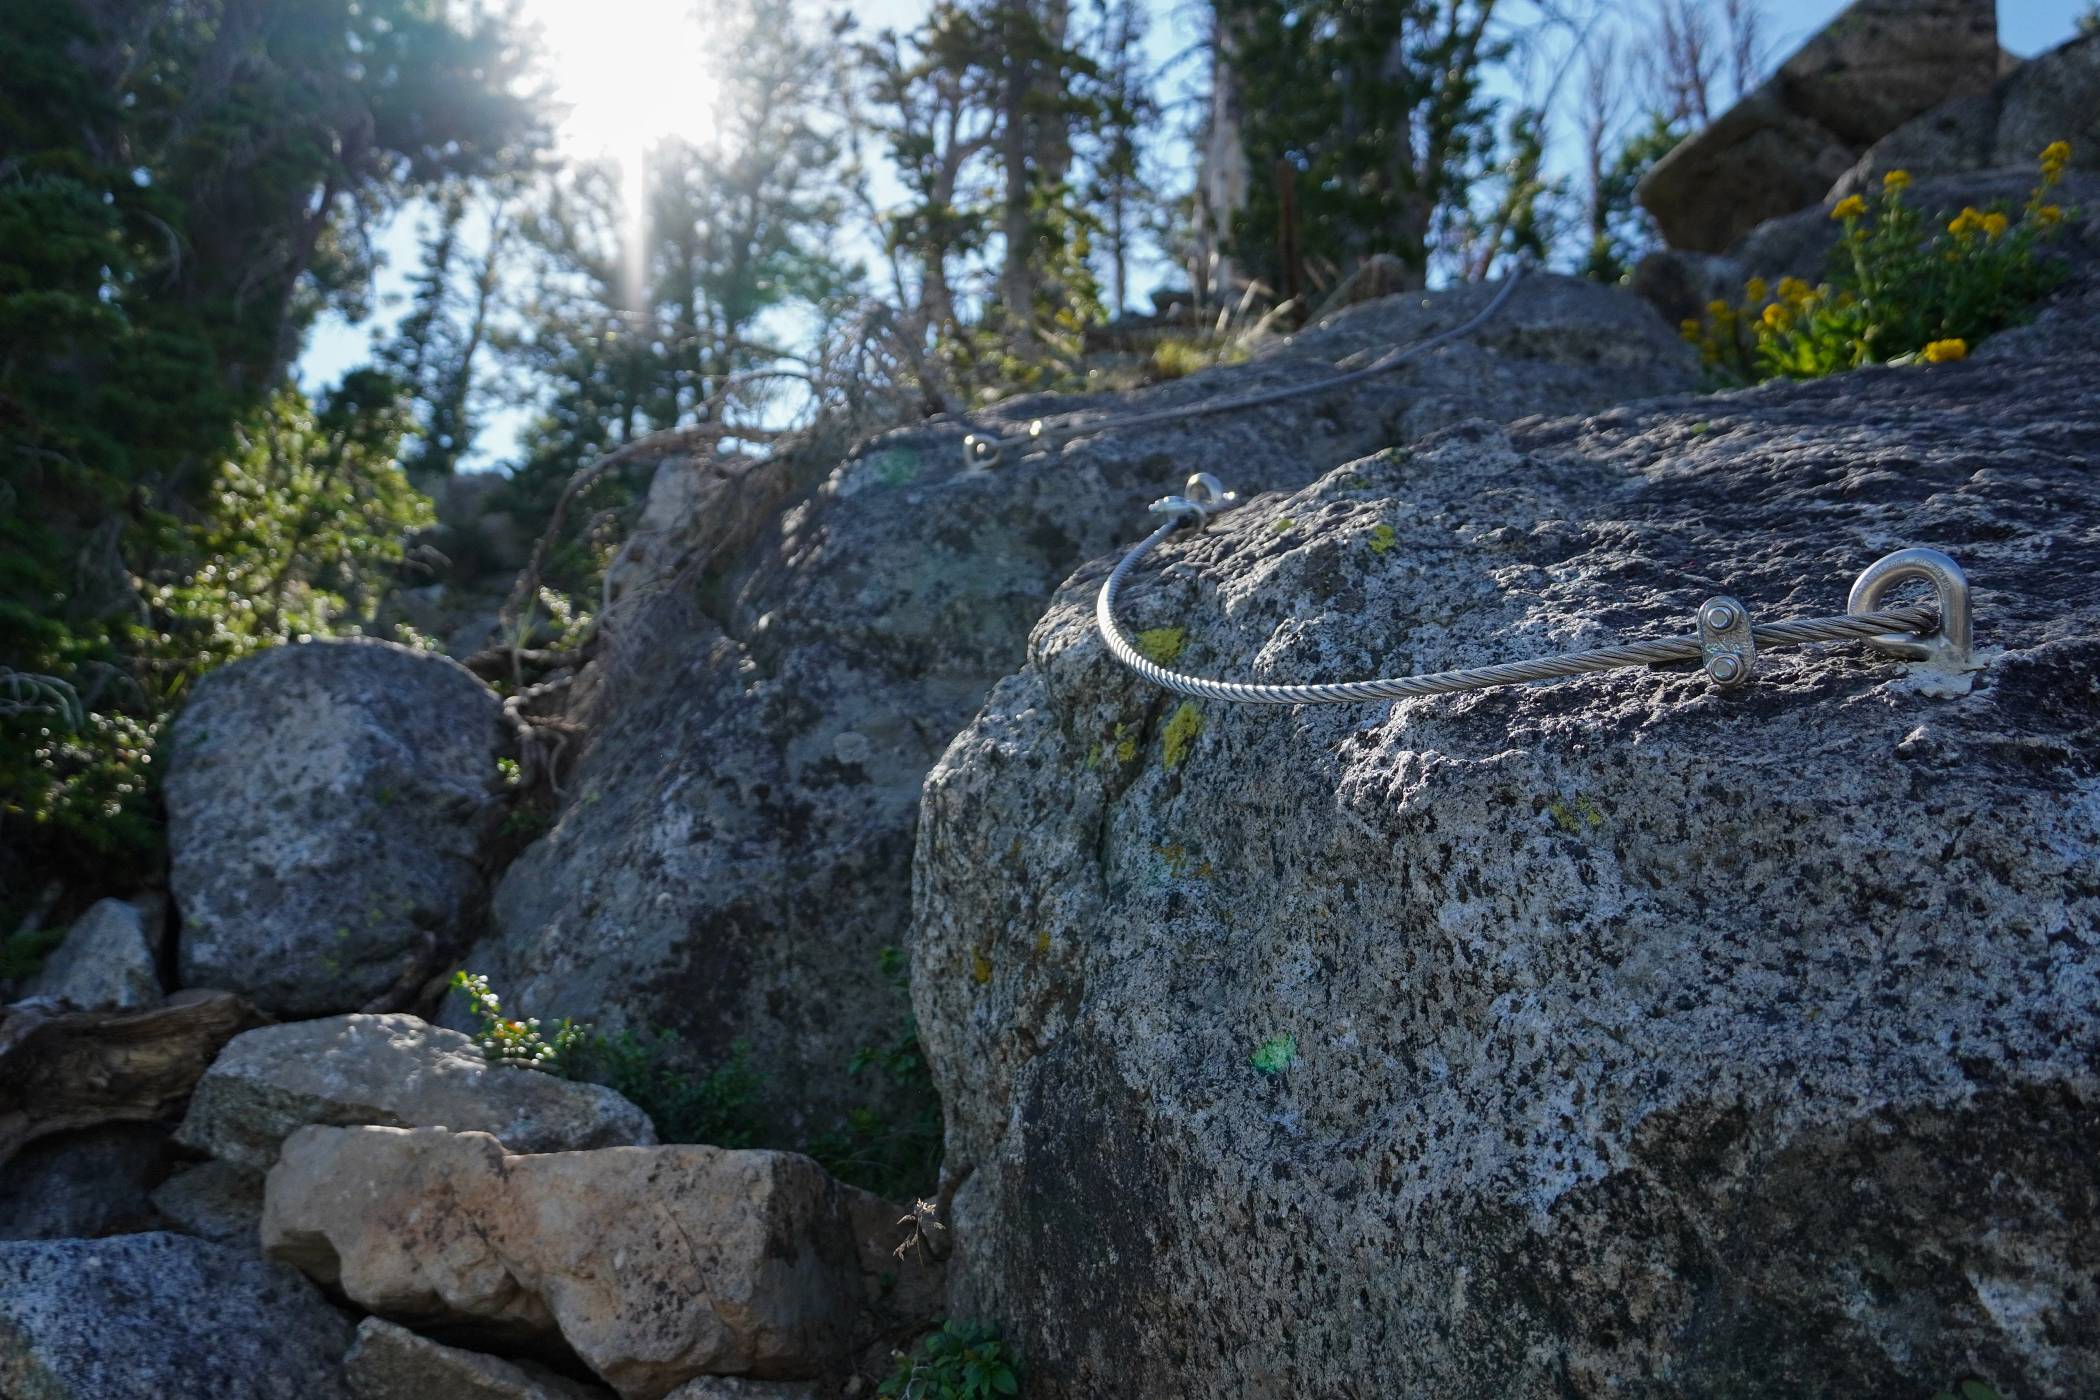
{"type": "Point", "coordinates": [1848, 627]}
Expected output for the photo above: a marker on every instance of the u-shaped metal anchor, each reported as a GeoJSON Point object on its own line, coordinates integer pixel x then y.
{"type": "Point", "coordinates": [1950, 645]}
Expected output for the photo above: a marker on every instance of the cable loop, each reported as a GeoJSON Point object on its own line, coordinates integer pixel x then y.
{"type": "Point", "coordinates": [1727, 643]}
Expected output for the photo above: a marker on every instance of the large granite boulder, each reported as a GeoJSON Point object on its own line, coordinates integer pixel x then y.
{"type": "Point", "coordinates": [326, 807]}
{"type": "Point", "coordinates": [398, 1072]}
{"type": "Point", "coordinates": [2052, 97]}
{"type": "Point", "coordinates": [1868, 71]}
{"type": "Point", "coordinates": [1617, 1037]}
{"type": "Point", "coordinates": [110, 957]}
{"type": "Point", "coordinates": [162, 1317]}
{"type": "Point", "coordinates": [654, 1265]}
{"type": "Point", "coordinates": [735, 847]}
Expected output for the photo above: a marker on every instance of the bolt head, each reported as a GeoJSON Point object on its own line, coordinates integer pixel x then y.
{"type": "Point", "coordinates": [1720, 617]}
{"type": "Point", "coordinates": [1726, 668]}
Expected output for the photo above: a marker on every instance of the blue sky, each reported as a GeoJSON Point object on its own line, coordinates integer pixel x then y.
{"type": "Point", "coordinates": [604, 77]}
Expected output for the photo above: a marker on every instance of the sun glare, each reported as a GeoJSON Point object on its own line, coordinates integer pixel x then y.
{"type": "Point", "coordinates": [628, 73]}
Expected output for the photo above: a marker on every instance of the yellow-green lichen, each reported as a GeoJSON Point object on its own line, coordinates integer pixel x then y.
{"type": "Point", "coordinates": [1126, 745]}
{"type": "Point", "coordinates": [1572, 817]}
{"type": "Point", "coordinates": [1382, 538]}
{"type": "Point", "coordinates": [980, 967]}
{"type": "Point", "coordinates": [1162, 645]}
{"type": "Point", "coordinates": [1283, 526]}
{"type": "Point", "coordinates": [1180, 735]}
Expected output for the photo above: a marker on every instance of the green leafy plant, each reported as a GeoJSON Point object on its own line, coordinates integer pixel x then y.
{"type": "Point", "coordinates": [24, 951]}
{"type": "Point", "coordinates": [719, 1107]}
{"type": "Point", "coordinates": [1967, 1390]}
{"type": "Point", "coordinates": [891, 1147]}
{"type": "Point", "coordinates": [958, 1362]}
{"type": "Point", "coordinates": [1902, 287]}
{"type": "Point", "coordinates": [520, 1044]}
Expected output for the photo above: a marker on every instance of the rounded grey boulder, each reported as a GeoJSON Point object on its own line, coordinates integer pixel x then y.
{"type": "Point", "coordinates": [326, 807]}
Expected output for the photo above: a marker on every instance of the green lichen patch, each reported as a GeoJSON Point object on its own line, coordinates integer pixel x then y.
{"type": "Point", "coordinates": [1182, 728]}
{"type": "Point", "coordinates": [1276, 1054]}
{"type": "Point", "coordinates": [1283, 526]}
{"type": "Point", "coordinates": [1162, 645]}
{"type": "Point", "coordinates": [1382, 538]}
{"type": "Point", "coordinates": [1572, 817]}
{"type": "Point", "coordinates": [1126, 744]}
{"type": "Point", "coordinates": [894, 466]}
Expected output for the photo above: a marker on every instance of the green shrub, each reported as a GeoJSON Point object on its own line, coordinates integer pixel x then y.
{"type": "Point", "coordinates": [24, 951]}
{"type": "Point", "coordinates": [892, 1147]}
{"type": "Point", "coordinates": [881, 1147]}
{"type": "Point", "coordinates": [1901, 287]}
{"type": "Point", "coordinates": [719, 1108]}
{"type": "Point", "coordinates": [955, 1363]}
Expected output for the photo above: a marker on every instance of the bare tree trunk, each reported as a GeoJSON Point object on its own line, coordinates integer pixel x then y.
{"type": "Point", "coordinates": [1224, 175]}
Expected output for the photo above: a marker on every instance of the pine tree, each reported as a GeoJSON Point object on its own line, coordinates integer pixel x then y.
{"type": "Point", "coordinates": [1372, 116]}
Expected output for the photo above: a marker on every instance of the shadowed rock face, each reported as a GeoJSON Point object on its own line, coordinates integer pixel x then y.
{"type": "Point", "coordinates": [1874, 67]}
{"type": "Point", "coordinates": [736, 846]}
{"type": "Point", "coordinates": [1625, 1038]}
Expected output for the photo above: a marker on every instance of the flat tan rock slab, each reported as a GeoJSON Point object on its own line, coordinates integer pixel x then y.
{"type": "Point", "coordinates": [655, 1265]}
{"type": "Point", "coordinates": [396, 1071]}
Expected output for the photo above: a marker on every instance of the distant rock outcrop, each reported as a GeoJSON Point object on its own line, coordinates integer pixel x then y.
{"type": "Point", "coordinates": [1868, 71]}
{"type": "Point", "coordinates": [735, 846]}
{"type": "Point", "coordinates": [1612, 1038]}
{"type": "Point", "coordinates": [326, 804]}
{"type": "Point", "coordinates": [2052, 97]}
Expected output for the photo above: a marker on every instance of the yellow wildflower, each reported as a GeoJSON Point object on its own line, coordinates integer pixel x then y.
{"type": "Point", "coordinates": [1966, 222]}
{"type": "Point", "coordinates": [2055, 156]}
{"type": "Point", "coordinates": [1689, 328]}
{"type": "Point", "coordinates": [1794, 291]}
{"type": "Point", "coordinates": [1719, 310]}
{"type": "Point", "coordinates": [1994, 225]}
{"type": "Point", "coordinates": [1778, 317]}
{"type": "Point", "coordinates": [2049, 215]}
{"type": "Point", "coordinates": [1942, 352]}
{"type": "Point", "coordinates": [1754, 290]}
{"type": "Point", "coordinates": [1850, 207]}
{"type": "Point", "coordinates": [1895, 182]}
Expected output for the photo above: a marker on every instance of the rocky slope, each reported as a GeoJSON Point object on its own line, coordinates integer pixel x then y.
{"type": "Point", "coordinates": [735, 848]}
{"type": "Point", "coordinates": [1615, 1037]}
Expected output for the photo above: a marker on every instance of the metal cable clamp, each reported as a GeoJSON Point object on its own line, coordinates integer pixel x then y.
{"type": "Point", "coordinates": [1726, 645]}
